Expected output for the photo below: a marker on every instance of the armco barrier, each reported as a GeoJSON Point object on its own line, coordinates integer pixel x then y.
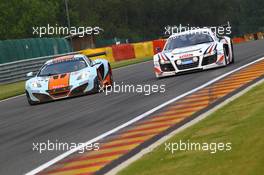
{"type": "Point", "coordinates": [16, 71]}
{"type": "Point", "coordinates": [158, 44]}
{"type": "Point", "coordinates": [108, 53]}
{"type": "Point", "coordinates": [143, 50]}
{"type": "Point", "coordinates": [123, 52]}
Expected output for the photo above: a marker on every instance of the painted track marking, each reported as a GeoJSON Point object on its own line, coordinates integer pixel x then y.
{"type": "Point", "coordinates": [66, 154]}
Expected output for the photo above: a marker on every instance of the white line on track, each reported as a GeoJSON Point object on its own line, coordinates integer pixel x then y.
{"type": "Point", "coordinates": [67, 153]}
{"type": "Point", "coordinates": [12, 98]}
{"type": "Point", "coordinates": [159, 142]}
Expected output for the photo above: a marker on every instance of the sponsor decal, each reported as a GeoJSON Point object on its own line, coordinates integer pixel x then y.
{"type": "Point", "coordinates": [186, 56]}
{"type": "Point", "coordinates": [59, 81]}
{"type": "Point", "coordinates": [221, 60]}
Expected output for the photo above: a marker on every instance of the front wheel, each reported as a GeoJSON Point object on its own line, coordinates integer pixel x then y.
{"type": "Point", "coordinates": [29, 99]}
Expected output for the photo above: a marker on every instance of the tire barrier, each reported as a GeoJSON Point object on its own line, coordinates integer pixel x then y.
{"type": "Point", "coordinates": [249, 37]}
{"type": "Point", "coordinates": [15, 71]}
{"type": "Point", "coordinates": [107, 50]}
{"type": "Point", "coordinates": [158, 44]}
{"type": "Point", "coordinates": [238, 40]}
{"type": "Point", "coordinates": [260, 35]}
{"type": "Point", "coordinates": [143, 50]}
{"type": "Point", "coordinates": [123, 52]}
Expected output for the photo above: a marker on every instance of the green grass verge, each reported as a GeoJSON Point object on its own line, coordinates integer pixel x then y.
{"type": "Point", "coordinates": [13, 89]}
{"type": "Point", "coordinates": [241, 122]}
{"type": "Point", "coordinates": [129, 62]}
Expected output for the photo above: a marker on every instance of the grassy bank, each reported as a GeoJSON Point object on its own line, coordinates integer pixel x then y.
{"type": "Point", "coordinates": [13, 89]}
{"type": "Point", "coordinates": [129, 62]}
{"type": "Point", "coordinates": [240, 123]}
{"type": "Point", "coordinates": [10, 90]}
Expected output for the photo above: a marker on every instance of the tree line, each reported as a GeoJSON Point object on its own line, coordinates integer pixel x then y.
{"type": "Point", "coordinates": [133, 19]}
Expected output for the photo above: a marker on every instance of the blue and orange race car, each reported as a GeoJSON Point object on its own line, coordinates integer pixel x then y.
{"type": "Point", "coordinates": [68, 76]}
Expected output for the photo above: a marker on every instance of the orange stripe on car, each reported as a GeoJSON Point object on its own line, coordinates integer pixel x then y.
{"type": "Point", "coordinates": [221, 59]}
{"type": "Point", "coordinates": [157, 70]}
{"type": "Point", "coordinates": [59, 81]}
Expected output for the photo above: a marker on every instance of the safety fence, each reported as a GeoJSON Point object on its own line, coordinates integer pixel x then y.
{"type": "Point", "coordinates": [123, 52]}
{"type": "Point", "coordinates": [15, 71]}
{"type": "Point", "coordinates": [22, 49]}
{"type": "Point", "coordinates": [141, 50]}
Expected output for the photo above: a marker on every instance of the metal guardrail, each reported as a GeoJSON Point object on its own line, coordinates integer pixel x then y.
{"type": "Point", "coordinates": [16, 71]}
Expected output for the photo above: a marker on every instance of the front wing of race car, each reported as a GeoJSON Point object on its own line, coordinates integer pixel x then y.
{"type": "Point", "coordinates": [42, 89]}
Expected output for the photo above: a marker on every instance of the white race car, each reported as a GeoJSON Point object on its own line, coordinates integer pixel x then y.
{"type": "Point", "coordinates": [193, 50]}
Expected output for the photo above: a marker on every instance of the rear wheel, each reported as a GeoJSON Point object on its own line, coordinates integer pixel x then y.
{"type": "Point", "coordinates": [111, 76]}
{"type": "Point", "coordinates": [226, 56]}
{"type": "Point", "coordinates": [98, 83]}
{"type": "Point", "coordinates": [233, 57]}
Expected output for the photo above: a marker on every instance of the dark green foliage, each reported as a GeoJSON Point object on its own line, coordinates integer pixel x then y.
{"type": "Point", "coordinates": [133, 19]}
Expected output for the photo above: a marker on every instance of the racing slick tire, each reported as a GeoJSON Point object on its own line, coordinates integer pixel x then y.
{"type": "Point", "coordinates": [226, 56]}
{"type": "Point", "coordinates": [98, 83]}
{"type": "Point", "coordinates": [29, 100]}
{"type": "Point", "coordinates": [233, 55]}
{"type": "Point", "coordinates": [111, 75]}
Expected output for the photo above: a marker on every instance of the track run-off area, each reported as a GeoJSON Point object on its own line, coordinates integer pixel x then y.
{"type": "Point", "coordinates": [81, 119]}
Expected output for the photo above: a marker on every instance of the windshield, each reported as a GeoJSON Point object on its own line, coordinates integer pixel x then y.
{"type": "Point", "coordinates": [187, 40]}
{"type": "Point", "coordinates": [68, 66]}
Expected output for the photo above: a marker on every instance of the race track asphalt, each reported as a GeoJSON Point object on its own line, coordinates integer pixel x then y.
{"type": "Point", "coordinates": [80, 119]}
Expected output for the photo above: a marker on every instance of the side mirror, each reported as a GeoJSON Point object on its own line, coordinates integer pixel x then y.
{"type": "Point", "coordinates": [30, 74]}
{"type": "Point", "coordinates": [158, 49]}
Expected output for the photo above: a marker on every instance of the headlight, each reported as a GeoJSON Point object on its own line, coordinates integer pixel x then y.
{"type": "Point", "coordinates": [83, 75]}
{"type": "Point", "coordinates": [36, 84]}
{"type": "Point", "coordinates": [195, 59]}
{"type": "Point", "coordinates": [179, 62]}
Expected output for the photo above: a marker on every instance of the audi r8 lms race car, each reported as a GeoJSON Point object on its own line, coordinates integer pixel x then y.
{"type": "Point", "coordinates": [68, 76]}
{"type": "Point", "coordinates": [192, 50]}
